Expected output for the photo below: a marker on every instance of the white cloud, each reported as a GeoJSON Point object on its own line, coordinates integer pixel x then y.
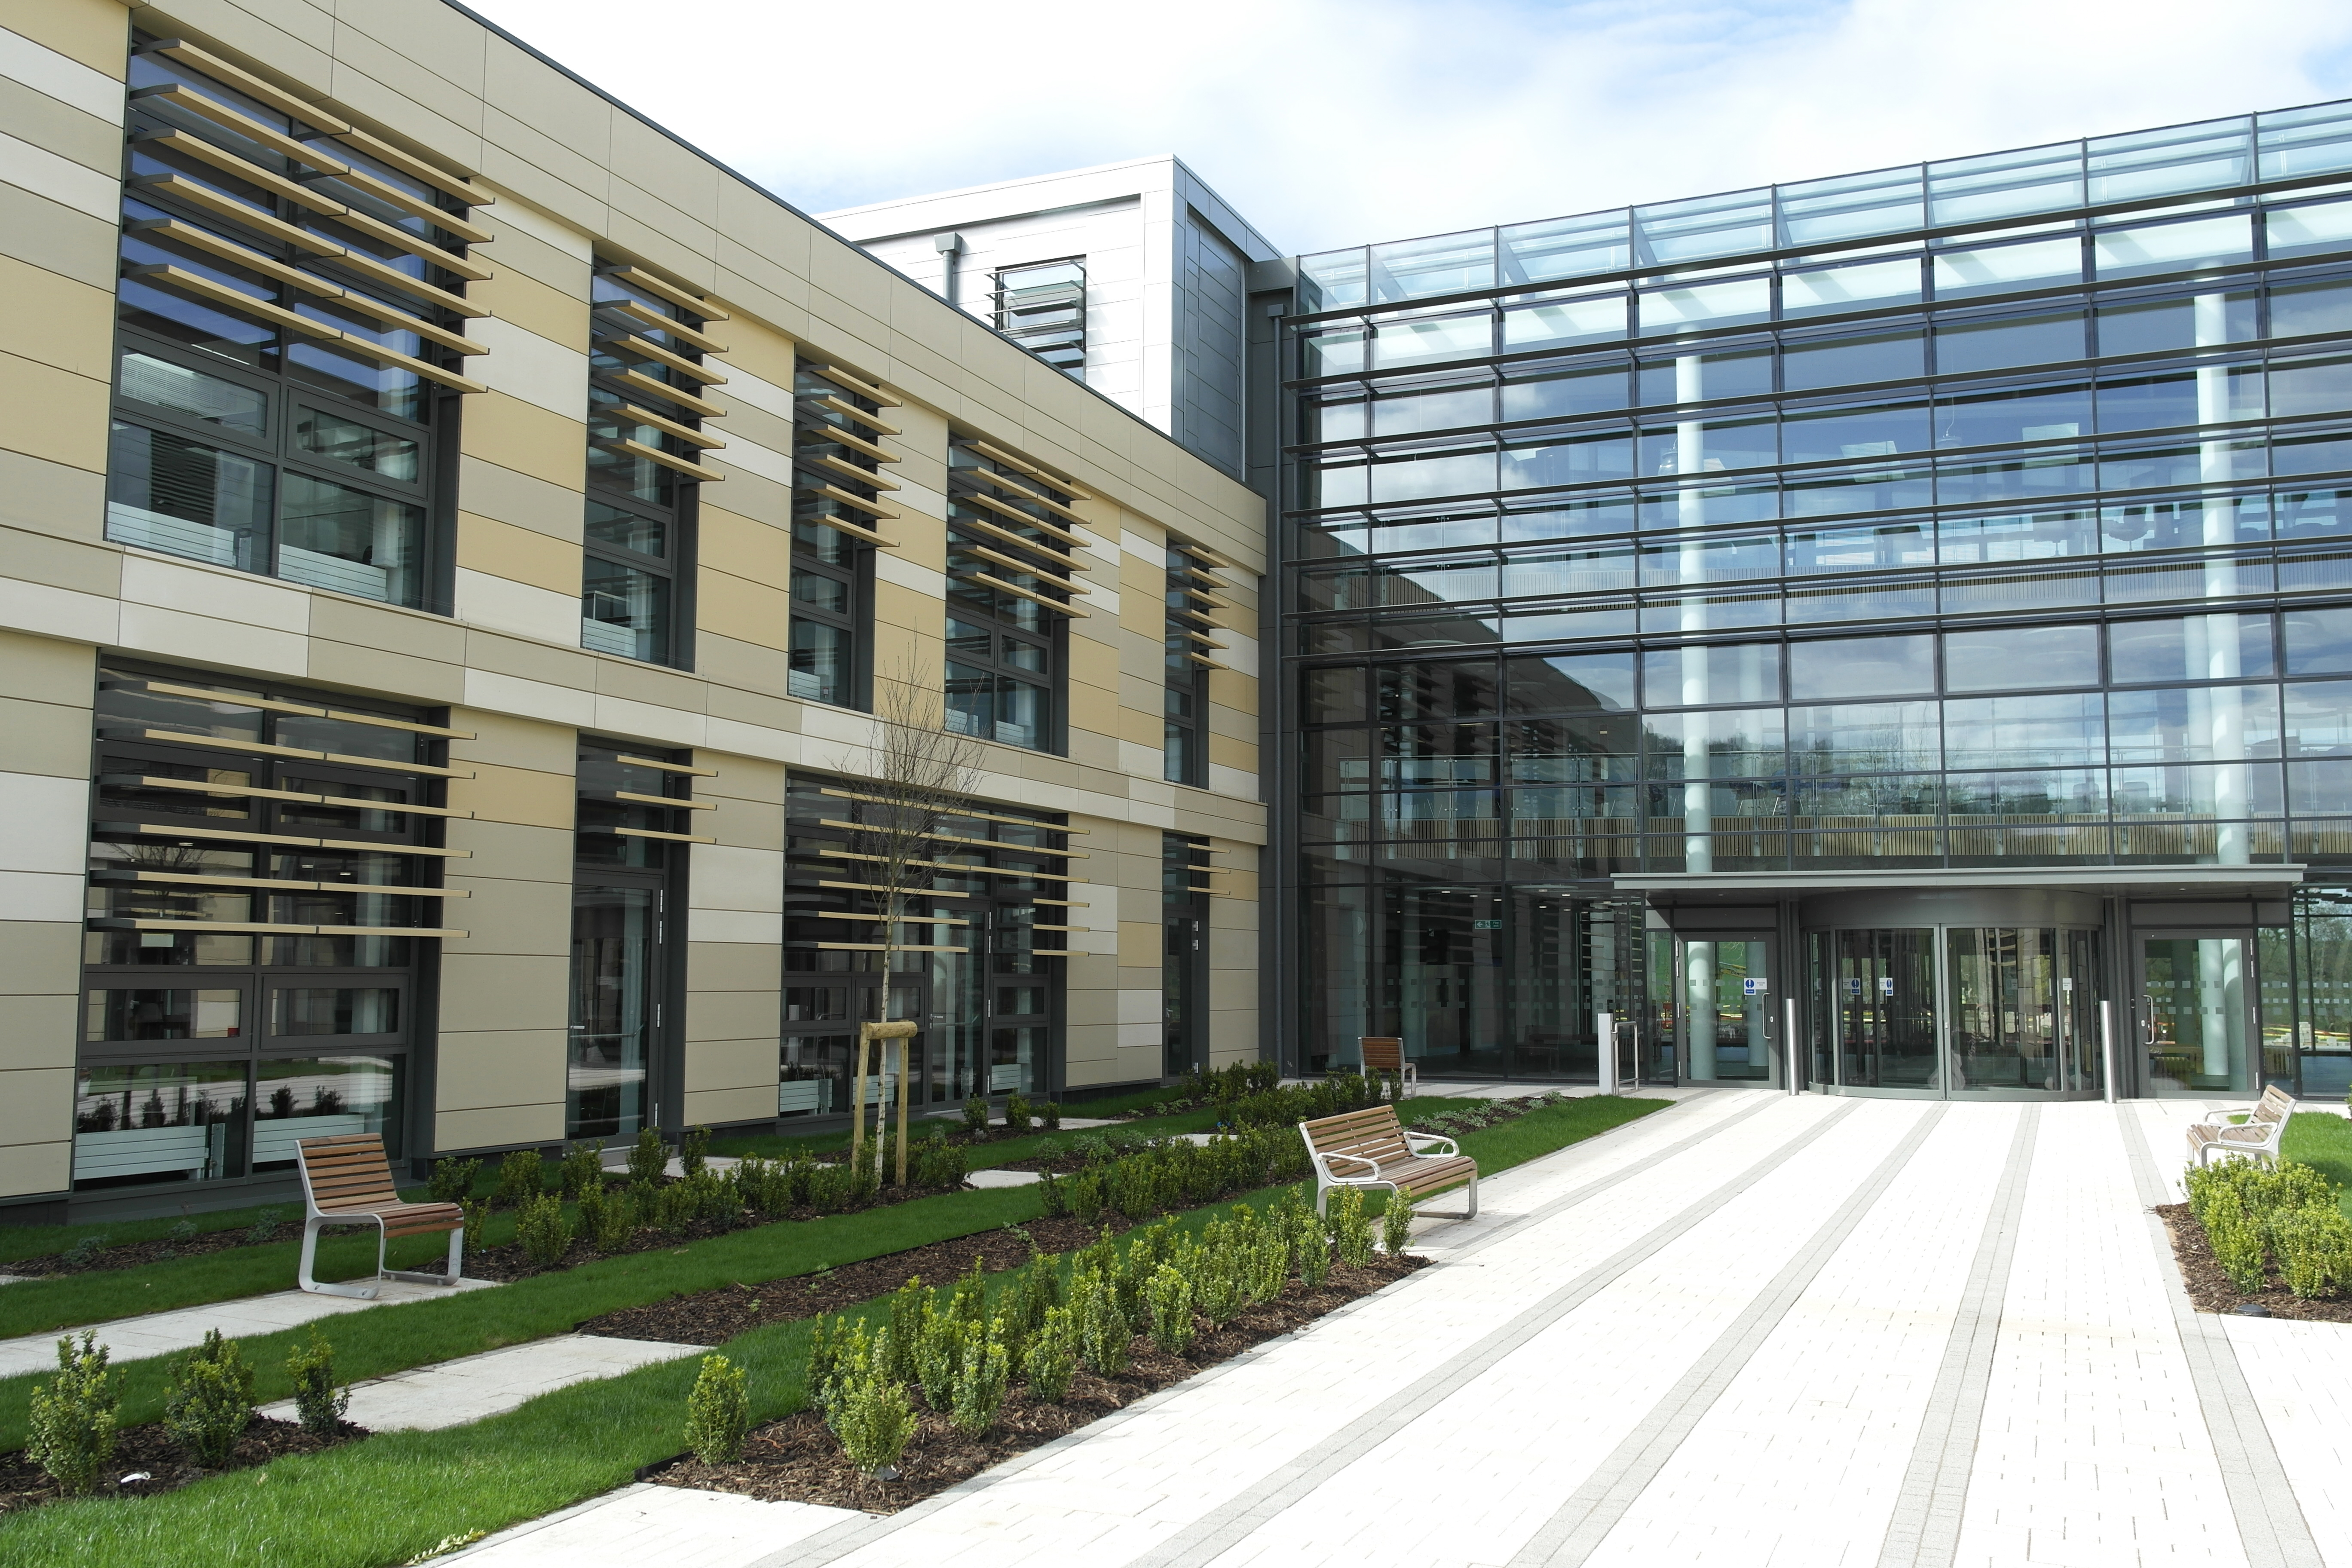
{"type": "Point", "coordinates": [1329, 122]}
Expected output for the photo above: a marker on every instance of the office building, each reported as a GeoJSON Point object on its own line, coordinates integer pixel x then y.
{"type": "Point", "coordinates": [455, 542]}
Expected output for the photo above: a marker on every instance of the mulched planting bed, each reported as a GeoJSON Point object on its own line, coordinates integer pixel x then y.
{"type": "Point", "coordinates": [136, 1254]}
{"type": "Point", "coordinates": [797, 1460]}
{"type": "Point", "coordinates": [150, 1448]}
{"type": "Point", "coordinates": [2211, 1290]}
{"type": "Point", "coordinates": [713, 1316]}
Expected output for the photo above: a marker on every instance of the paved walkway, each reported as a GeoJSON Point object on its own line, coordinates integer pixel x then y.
{"type": "Point", "coordinates": [1750, 1330]}
{"type": "Point", "coordinates": [475, 1387]}
{"type": "Point", "coordinates": [165, 1334]}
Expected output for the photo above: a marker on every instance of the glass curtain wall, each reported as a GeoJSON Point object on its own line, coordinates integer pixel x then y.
{"type": "Point", "coordinates": [1992, 514]}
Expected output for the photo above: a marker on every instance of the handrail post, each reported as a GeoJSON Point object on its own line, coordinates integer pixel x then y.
{"type": "Point", "coordinates": [1604, 1060]}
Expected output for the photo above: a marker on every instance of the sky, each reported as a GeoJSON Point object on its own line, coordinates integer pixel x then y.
{"type": "Point", "coordinates": [1334, 122]}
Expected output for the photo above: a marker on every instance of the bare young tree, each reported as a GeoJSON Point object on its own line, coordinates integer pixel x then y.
{"type": "Point", "coordinates": [919, 773]}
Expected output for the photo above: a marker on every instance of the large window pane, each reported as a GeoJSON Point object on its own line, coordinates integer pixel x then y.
{"type": "Point", "coordinates": [1861, 667]}
{"type": "Point", "coordinates": [172, 1121]}
{"type": "Point", "coordinates": [193, 394]}
{"type": "Point", "coordinates": [167, 492]}
{"type": "Point", "coordinates": [624, 611]}
{"type": "Point", "coordinates": [2025, 732]}
{"type": "Point", "coordinates": [332, 536]}
{"type": "Point", "coordinates": [322, 1097]}
{"type": "Point", "coordinates": [2016, 656]}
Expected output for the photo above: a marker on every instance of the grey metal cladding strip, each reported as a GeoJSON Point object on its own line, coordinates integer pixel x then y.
{"type": "Point", "coordinates": [1925, 1527]}
{"type": "Point", "coordinates": [1240, 1516]}
{"type": "Point", "coordinates": [1570, 1536]}
{"type": "Point", "coordinates": [2269, 1520]}
{"type": "Point", "coordinates": [836, 1541]}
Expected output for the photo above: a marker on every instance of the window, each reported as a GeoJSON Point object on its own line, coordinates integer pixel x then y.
{"type": "Point", "coordinates": [1042, 306]}
{"type": "Point", "coordinates": [290, 320]}
{"type": "Point", "coordinates": [978, 958]}
{"type": "Point", "coordinates": [1012, 575]}
{"type": "Point", "coordinates": [1192, 607]}
{"type": "Point", "coordinates": [1185, 894]}
{"type": "Point", "coordinates": [265, 875]}
{"type": "Point", "coordinates": [630, 846]}
{"type": "Point", "coordinates": [837, 506]}
{"type": "Point", "coordinates": [647, 401]}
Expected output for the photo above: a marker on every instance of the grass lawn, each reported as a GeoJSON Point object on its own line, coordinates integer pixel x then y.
{"type": "Point", "coordinates": [2316, 1138]}
{"type": "Point", "coordinates": [384, 1500]}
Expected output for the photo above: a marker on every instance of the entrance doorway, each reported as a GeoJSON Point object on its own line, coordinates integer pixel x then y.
{"type": "Point", "coordinates": [1725, 1028]}
{"type": "Point", "coordinates": [2194, 1009]}
{"type": "Point", "coordinates": [2008, 1011]}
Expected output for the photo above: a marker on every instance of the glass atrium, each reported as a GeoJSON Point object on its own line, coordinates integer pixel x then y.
{"type": "Point", "coordinates": [1905, 617]}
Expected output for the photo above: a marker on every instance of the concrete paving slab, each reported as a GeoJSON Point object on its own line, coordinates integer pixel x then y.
{"type": "Point", "coordinates": [166, 1333]}
{"type": "Point", "coordinates": [1002, 1178]}
{"type": "Point", "coordinates": [676, 1527]}
{"type": "Point", "coordinates": [475, 1388]}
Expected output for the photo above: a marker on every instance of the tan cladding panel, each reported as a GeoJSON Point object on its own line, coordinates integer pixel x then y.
{"type": "Point", "coordinates": [525, 437]}
{"type": "Point", "coordinates": [95, 32]}
{"type": "Point", "coordinates": [49, 413]}
{"type": "Point", "coordinates": [517, 554]}
{"type": "Point", "coordinates": [58, 322]}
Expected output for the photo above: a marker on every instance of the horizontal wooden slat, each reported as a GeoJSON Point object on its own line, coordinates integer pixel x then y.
{"type": "Point", "coordinates": [687, 465]}
{"type": "Point", "coordinates": [636, 277]}
{"type": "Point", "coordinates": [662, 391]}
{"type": "Point", "coordinates": [1040, 600]}
{"type": "Point", "coordinates": [179, 52]}
{"type": "Point", "coordinates": [667, 425]}
{"type": "Point", "coordinates": [859, 385]}
{"type": "Point", "coordinates": [1023, 465]}
{"type": "Point", "coordinates": [646, 315]}
{"type": "Point", "coordinates": [458, 185]}
{"type": "Point", "coordinates": [693, 370]}
{"type": "Point", "coordinates": [1006, 509]}
{"type": "Point", "coordinates": [845, 468]}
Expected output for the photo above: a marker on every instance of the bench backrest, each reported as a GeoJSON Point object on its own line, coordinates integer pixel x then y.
{"type": "Point", "coordinates": [1381, 1053]}
{"type": "Point", "coordinates": [345, 1173]}
{"type": "Point", "coordinates": [2275, 1104]}
{"type": "Point", "coordinates": [1373, 1133]}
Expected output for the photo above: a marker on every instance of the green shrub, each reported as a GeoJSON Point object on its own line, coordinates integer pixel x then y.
{"type": "Point", "coordinates": [1052, 1356]}
{"type": "Point", "coordinates": [1017, 1113]}
{"type": "Point", "coordinates": [2314, 1249]}
{"type": "Point", "coordinates": [982, 1372]}
{"type": "Point", "coordinates": [674, 1206]}
{"type": "Point", "coordinates": [648, 1157]}
{"type": "Point", "coordinates": [475, 1213]}
{"type": "Point", "coordinates": [319, 1404]}
{"type": "Point", "coordinates": [1396, 1225]}
{"type": "Point", "coordinates": [582, 1169]}
{"type": "Point", "coordinates": [874, 1421]}
{"type": "Point", "coordinates": [1170, 1296]}
{"type": "Point", "coordinates": [71, 1431]}
{"type": "Point", "coordinates": [938, 1354]}
{"type": "Point", "coordinates": [2236, 1237]}
{"type": "Point", "coordinates": [1104, 1334]}
{"type": "Point", "coordinates": [975, 1114]}
{"type": "Point", "coordinates": [831, 1188]}
{"type": "Point", "coordinates": [543, 1230]}
{"type": "Point", "coordinates": [836, 1348]}
{"type": "Point", "coordinates": [615, 1222]}
{"type": "Point", "coordinates": [451, 1179]}
{"type": "Point", "coordinates": [1085, 1195]}
{"type": "Point", "coordinates": [185, 1231]}
{"type": "Point", "coordinates": [1216, 1279]}
{"type": "Point", "coordinates": [521, 1174]}
{"type": "Point", "coordinates": [1314, 1250]}
{"type": "Point", "coordinates": [81, 1253]}
{"type": "Point", "coordinates": [1034, 1292]}
{"type": "Point", "coordinates": [719, 1412]}
{"type": "Point", "coordinates": [263, 1226]}
{"type": "Point", "coordinates": [1049, 1116]}
{"type": "Point", "coordinates": [1352, 1229]}
{"type": "Point", "coordinates": [941, 1164]}
{"type": "Point", "coordinates": [210, 1401]}
{"type": "Point", "coordinates": [902, 1346]}
{"type": "Point", "coordinates": [693, 1150]}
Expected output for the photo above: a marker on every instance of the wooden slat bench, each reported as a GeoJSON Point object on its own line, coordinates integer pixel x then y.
{"type": "Point", "coordinates": [2257, 1137]}
{"type": "Point", "coordinates": [1385, 1054]}
{"type": "Point", "coordinates": [346, 1180]}
{"type": "Point", "coordinates": [1372, 1148]}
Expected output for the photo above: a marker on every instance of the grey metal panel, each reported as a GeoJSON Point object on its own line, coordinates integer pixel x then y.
{"type": "Point", "coordinates": [1208, 349]}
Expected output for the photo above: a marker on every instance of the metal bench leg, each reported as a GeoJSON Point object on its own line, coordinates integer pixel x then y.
{"type": "Point", "coordinates": [457, 1256]}
{"type": "Point", "coordinates": [310, 1230]}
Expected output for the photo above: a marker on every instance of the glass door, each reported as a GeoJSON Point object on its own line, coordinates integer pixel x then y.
{"type": "Point", "coordinates": [2195, 1013]}
{"type": "Point", "coordinates": [1883, 1007]}
{"type": "Point", "coordinates": [1725, 1024]}
{"type": "Point", "coordinates": [615, 1008]}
